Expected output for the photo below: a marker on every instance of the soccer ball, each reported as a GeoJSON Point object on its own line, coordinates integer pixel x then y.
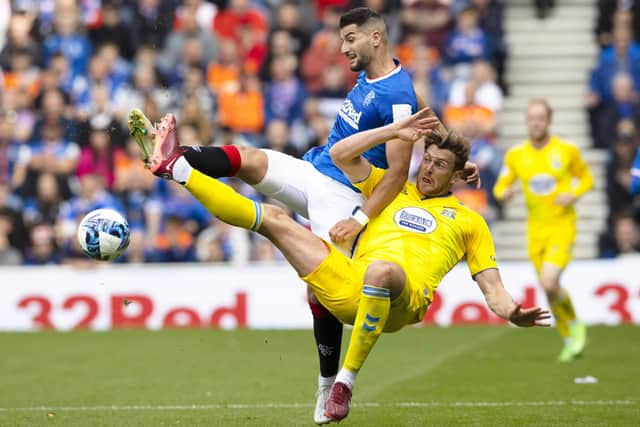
{"type": "Point", "coordinates": [103, 234]}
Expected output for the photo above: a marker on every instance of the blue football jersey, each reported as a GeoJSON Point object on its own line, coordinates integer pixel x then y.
{"type": "Point", "coordinates": [370, 104]}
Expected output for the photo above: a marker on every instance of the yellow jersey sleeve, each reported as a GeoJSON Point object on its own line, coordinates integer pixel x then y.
{"type": "Point", "coordinates": [481, 254]}
{"type": "Point", "coordinates": [507, 175]}
{"type": "Point", "coordinates": [367, 185]}
{"type": "Point", "coordinates": [579, 169]}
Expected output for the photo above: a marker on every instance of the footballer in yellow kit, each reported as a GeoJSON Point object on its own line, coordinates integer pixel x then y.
{"type": "Point", "coordinates": [427, 236]}
{"type": "Point", "coordinates": [403, 253]}
{"type": "Point", "coordinates": [553, 176]}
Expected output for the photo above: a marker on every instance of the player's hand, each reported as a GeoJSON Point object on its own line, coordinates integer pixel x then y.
{"type": "Point", "coordinates": [508, 194]}
{"type": "Point", "coordinates": [472, 174]}
{"type": "Point", "coordinates": [534, 316]}
{"type": "Point", "coordinates": [416, 126]}
{"type": "Point", "coordinates": [565, 199]}
{"type": "Point", "coordinates": [345, 231]}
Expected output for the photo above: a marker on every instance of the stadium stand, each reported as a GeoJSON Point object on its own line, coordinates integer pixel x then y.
{"type": "Point", "coordinates": [247, 72]}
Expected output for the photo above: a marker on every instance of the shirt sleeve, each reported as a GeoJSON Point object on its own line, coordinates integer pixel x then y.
{"type": "Point", "coordinates": [367, 185]}
{"type": "Point", "coordinates": [398, 105]}
{"type": "Point", "coordinates": [507, 176]}
{"type": "Point", "coordinates": [579, 169]}
{"type": "Point", "coordinates": [481, 254]}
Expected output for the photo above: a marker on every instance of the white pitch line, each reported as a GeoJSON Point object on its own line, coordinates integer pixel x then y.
{"type": "Point", "coordinates": [310, 405]}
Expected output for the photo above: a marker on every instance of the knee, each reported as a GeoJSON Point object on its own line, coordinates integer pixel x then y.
{"type": "Point", "coordinates": [273, 215]}
{"type": "Point", "coordinates": [384, 274]}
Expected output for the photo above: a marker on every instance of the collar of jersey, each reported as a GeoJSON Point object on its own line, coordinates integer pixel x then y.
{"type": "Point", "coordinates": [386, 76]}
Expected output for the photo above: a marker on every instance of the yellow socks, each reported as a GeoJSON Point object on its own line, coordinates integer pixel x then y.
{"type": "Point", "coordinates": [564, 313]}
{"type": "Point", "coordinates": [223, 202]}
{"type": "Point", "coordinates": [372, 315]}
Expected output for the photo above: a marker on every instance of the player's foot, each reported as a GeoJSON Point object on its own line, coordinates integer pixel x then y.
{"type": "Point", "coordinates": [566, 355]}
{"type": "Point", "coordinates": [166, 148]}
{"type": "Point", "coordinates": [337, 406]}
{"type": "Point", "coordinates": [321, 400]}
{"type": "Point", "coordinates": [142, 130]}
{"type": "Point", "coordinates": [578, 334]}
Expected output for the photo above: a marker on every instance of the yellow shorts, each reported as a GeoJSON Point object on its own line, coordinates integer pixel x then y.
{"type": "Point", "coordinates": [338, 281]}
{"type": "Point", "coordinates": [551, 244]}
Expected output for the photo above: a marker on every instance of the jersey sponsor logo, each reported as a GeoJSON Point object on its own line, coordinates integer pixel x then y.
{"type": "Point", "coordinates": [450, 213]}
{"type": "Point", "coordinates": [367, 99]}
{"type": "Point", "coordinates": [349, 114]}
{"type": "Point", "coordinates": [415, 219]}
{"type": "Point", "coordinates": [542, 184]}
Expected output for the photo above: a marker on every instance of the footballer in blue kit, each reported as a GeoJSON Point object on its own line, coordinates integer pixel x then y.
{"type": "Point", "coordinates": [370, 104]}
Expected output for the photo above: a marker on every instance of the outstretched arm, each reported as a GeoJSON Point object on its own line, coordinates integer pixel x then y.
{"type": "Point", "coordinates": [346, 154]}
{"type": "Point", "coordinates": [501, 303]}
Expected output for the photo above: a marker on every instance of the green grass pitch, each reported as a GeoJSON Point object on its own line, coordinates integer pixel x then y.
{"type": "Point", "coordinates": [481, 376]}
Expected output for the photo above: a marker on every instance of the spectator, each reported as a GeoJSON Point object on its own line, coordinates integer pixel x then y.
{"type": "Point", "coordinates": [324, 53]}
{"type": "Point", "coordinates": [43, 249]}
{"type": "Point", "coordinates": [619, 173]}
{"type": "Point", "coordinates": [247, 27]}
{"type": "Point", "coordinates": [44, 208]}
{"type": "Point", "coordinates": [8, 254]}
{"type": "Point", "coordinates": [175, 244]}
{"type": "Point", "coordinates": [68, 39]}
{"type": "Point", "coordinates": [194, 88]}
{"type": "Point", "coordinates": [622, 56]}
{"type": "Point", "coordinates": [487, 94]}
{"type": "Point", "coordinates": [145, 85]}
{"type": "Point", "coordinates": [278, 138]}
{"type": "Point", "coordinates": [19, 38]}
{"type": "Point", "coordinates": [113, 29]}
{"type": "Point", "coordinates": [55, 155]}
{"type": "Point", "coordinates": [623, 240]}
{"type": "Point", "coordinates": [152, 20]}
{"type": "Point", "coordinates": [431, 18]}
{"type": "Point", "coordinates": [223, 74]}
{"type": "Point", "coordinates": [54, 110]}
{"type": "Point", "coordinates": [205, 14]}
{"type": "Point", "coordinates": [612, 13]}
{"type": "Point", "coordinates": [190, 36]}
{"type": "Point", "coordinates": [284, 94]}
{"type": "Point", "coordinates": [287, 18]}
{"type": "Point", "coordinates": [99, 157]}
{"type": "Point", "coordinates": [467, 43]}
{"type": "Point", "coordinates": [193, 115]}
{"type": "Point", "coordinates": [14, 156]}
{"type": "Point", "coordinates": [624, 105]}
{"type": "Point", "coordinates": [242, 107]}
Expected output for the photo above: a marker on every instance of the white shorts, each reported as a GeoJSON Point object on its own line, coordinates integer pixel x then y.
{"type": "Point", "coordinates": [299, 185]}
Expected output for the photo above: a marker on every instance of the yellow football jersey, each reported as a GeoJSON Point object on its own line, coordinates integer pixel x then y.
{"type": "Point", "coordinates": [545, 173]}
{"type": "Point", "coordinates": [426, 236]}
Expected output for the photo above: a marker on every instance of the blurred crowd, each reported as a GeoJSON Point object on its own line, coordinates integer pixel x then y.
{"type": "Point", "coordinates": [613, 104]}
{"type": "Point", "coordinates": [268, 73]}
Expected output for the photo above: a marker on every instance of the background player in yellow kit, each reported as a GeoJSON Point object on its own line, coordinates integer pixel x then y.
{"type": "Point", "coordinates": [546, 167]}
{"type": "Point", "coordinates": [403, 253]}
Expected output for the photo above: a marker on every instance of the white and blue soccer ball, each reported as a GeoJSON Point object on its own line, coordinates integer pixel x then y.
{"type": "Point", "coordinates": [103, 234]}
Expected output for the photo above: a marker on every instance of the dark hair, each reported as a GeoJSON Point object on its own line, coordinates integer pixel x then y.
{"type": "Point", "coordinates": [359, 16]}
{"type": "Point", "coordinates": [544, 103]}
{"type": "Point", "coordinates": [453, 142]}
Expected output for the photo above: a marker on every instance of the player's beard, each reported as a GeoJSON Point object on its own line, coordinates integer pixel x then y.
{"type": "Point", "coordinates": [362, 61]}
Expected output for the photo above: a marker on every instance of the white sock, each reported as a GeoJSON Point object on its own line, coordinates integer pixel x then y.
{"type": "Point", "coordinates": [181, 170]}
{"type": "Point", "coordinates": [324, 382]}
{"type": "Point", "coordinates": [347, 377]}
